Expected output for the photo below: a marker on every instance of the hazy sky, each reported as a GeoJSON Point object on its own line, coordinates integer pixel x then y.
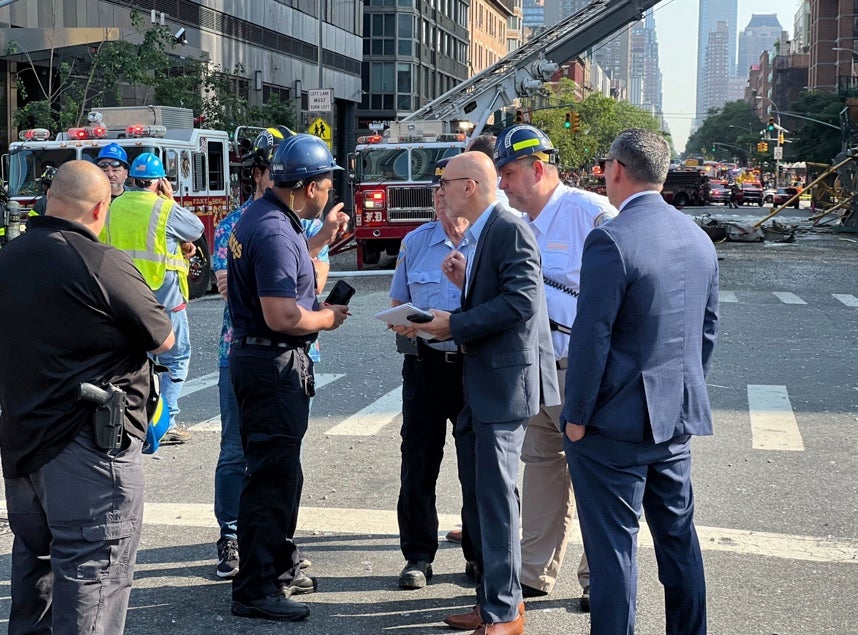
{"type": "Point", "coordinates": [676, 25]}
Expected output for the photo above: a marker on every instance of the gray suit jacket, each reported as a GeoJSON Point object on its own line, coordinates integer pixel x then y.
{"type": "Point", "coordinates": [503, 325]}
{"type": "Point", "coordinates": [646, 327]}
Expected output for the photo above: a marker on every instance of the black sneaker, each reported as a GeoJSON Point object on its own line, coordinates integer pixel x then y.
{"type": "Point", "coordinates": [277, 607]}
{"type": "Point", "coordinates": [227, 558]}
{"type": "Point", "coordinates": [415, 575]}
{"type": "Point", "coordinates": [301, 584]}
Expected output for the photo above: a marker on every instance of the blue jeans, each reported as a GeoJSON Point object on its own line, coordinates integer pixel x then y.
{"type": "Point", "coordinates": [229, 473]}
{"type": "Point", "coordinates": [176, 360]}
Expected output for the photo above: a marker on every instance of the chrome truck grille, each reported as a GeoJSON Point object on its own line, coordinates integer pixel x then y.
{"type": "Point", "coordinates": [410, 204]}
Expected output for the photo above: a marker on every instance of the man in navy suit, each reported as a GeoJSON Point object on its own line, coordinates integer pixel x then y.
{"type": "Point", "coordinates": [640, 348]}
{"type": "Point", "coordinates": [502, 330]}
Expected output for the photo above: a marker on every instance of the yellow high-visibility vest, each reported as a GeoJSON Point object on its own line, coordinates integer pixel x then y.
{"type": "Point", "coordinates": [137, 224]}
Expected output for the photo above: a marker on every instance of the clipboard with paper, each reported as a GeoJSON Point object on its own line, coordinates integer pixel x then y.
{"type": "Point", "coordinates": [406, 315]}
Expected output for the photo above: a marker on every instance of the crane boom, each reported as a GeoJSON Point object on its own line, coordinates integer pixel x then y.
{"type": "Point", "coordinates": [522, 72]}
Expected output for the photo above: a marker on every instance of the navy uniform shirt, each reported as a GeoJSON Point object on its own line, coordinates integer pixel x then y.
{"type": "Point", "coordinates": [268, 257]}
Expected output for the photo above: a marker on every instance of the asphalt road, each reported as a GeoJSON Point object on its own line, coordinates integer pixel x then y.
{"type": "Point", "coordinates": [778, 523]}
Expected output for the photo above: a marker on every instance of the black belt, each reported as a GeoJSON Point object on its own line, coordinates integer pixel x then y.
{"type": "Point", "coordinates": [449, 357]}
{"type": "Point", "coordinates": [264, 341]}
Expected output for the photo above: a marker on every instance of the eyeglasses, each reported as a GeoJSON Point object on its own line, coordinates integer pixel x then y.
{"type": "Point", "coordinates": [617, 160]}
{"type": "Point", "coordinates": [442, 182]}
{"type": "Point", "coordinates": [110, 164]}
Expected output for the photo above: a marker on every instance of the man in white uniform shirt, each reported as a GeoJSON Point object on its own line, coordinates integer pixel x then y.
{"type": "Point", "coordinates": [560, 217]}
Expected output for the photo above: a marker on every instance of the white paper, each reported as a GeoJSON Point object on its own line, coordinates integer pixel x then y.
{"type": "Point", "coordinates": [398, 316]}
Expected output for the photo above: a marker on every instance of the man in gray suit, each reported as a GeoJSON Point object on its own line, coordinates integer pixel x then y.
{"type": "Point", "coordinates": [502, 329]}
{"type": "Point", "coordinates": [639, 351]}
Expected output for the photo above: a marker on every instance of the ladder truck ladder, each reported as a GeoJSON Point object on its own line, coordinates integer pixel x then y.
{"type": "Point", "coordinates": [522, 72]}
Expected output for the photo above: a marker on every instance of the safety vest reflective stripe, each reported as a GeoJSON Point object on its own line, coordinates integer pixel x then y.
{"type": "Point", "coordinates": [124, 230]}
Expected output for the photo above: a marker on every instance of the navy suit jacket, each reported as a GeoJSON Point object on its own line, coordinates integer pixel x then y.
{"type": "Point", "coordinates": [647, 322]}
{"type": "Point", "coordinates": [503, 325]}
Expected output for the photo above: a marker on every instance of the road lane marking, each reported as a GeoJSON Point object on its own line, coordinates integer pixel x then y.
{"type": "Point", "coordinates": [773, 423]}
{"type": "Point", "coordinates": [847, 299]}
{"type": "Point", "coordinates": [368, 421]}
{"type": "Point", "coordinates": [213, 424]}
{"type": "Point", "coordinates": [374, 522]}
{"type": "Point", "coordinates": [788, 298]}
{"type": "Point", "coordinates": [727, 296]}
{"type": "Point", "coordinates": [199, 383]}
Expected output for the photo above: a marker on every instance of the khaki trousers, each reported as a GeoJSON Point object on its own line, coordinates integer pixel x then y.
{"type": "Point", "coordinates": [547, 502]}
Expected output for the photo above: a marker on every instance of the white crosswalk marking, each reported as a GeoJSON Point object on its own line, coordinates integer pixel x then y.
{"type": "Point", "coordinates": [727, 296]}
{"type": "Point", "coordinates": [373, 418]}
{"type": "Point", "coordinates": [788, 298]}
{"type": "Point", "coordinates": [847, 299]}
{"type": "Point", "coordinates": [213, 424]}
{"type": "Point", "coordinates": [773, 423]}
{"type": "Point", "coordinates": [199, 383]}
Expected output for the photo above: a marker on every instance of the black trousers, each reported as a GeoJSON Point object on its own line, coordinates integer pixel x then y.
{"type": "Point", "coordinates": [432, 395]}
{"type": "Point", "coordinates": [274, 413]}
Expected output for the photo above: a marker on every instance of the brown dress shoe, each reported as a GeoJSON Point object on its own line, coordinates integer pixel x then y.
{"type": "Point", "coordinates": [516, 627]}
{"type": "Point", "coordinates": [454, 535]}
{"type": "Point", "coordinates": [473, 620]}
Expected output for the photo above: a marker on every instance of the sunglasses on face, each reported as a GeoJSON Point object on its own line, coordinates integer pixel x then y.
{"type": "Point", "coordinates": [110, 164]}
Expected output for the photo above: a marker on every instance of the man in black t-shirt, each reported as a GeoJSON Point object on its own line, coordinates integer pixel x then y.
{"type": "Point", "coordinates": [73, 310]}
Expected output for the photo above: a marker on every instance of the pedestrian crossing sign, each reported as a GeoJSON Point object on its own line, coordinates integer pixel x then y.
{"type": "Point", "coordinates": [321, 129]}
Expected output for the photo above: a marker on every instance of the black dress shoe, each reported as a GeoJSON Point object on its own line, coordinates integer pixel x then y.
{"type": "Point", "coordinates": [301, 584]}
{"type": "Point", "coordinates": [472, 570]}
{"type": "Point", "coordinates": [585, 600]}
{"type": "Point", "coordinates": [415, 575]}
{"type": "Point", "coordinates": [532, 592]}
{"type": "Point", "coordinates": [277, 607]}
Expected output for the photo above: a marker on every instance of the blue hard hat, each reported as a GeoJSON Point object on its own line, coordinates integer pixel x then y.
{"type": "Point", "coordinates": [147, 166]}
{"type": "Point", "coordinates": [438, 172]}
{"type": "Point", "coordinates": [300, 157]}
{"type": "Point", "coordinates": [113, 151]}
{"type": "Point", "coordinates": [523, 140]}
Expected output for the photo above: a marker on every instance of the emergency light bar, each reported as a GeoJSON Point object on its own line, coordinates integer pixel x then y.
{"type": "Point", "coordinates": [139, 130]}
{"type": "Point", "coordinates": [90, 132]}
{"type": "Point", "coordinates": [370, 139]}
{"type": "Point", "coordinates": [35, 134]}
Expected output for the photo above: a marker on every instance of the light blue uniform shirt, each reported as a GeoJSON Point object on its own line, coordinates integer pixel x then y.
{"type": "Point", "coordinates": [418, 278]}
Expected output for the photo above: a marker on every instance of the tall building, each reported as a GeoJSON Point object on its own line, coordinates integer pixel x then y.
{"type": "Point", "coordinates": [410, 56]}
{"type": "Point", "coordinates": [711, 12]}
{"type": "Point", "coordinates": [645, 86]}
{"type": "Point", "coordinates": [833, 26]}
{"type": "Point", "coordinates": [762, 32]}
{"type": "Point", "coordinates": [533, 14]}
{"type": "Point", "coordinates": [716, 75]}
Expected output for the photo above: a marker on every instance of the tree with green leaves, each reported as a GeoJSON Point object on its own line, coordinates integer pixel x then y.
{"type": "Point", "coordinates": [812, 141]}
{"type": "Point", "coordinates": [601, 120]}
{"type": "Point", "coordinates": [71, 87]}
{"type": "Point", "coordinates": [734, 129]}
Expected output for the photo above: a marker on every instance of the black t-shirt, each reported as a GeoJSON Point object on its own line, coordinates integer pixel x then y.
{"type": "Point", "coordinates": [72, 310]}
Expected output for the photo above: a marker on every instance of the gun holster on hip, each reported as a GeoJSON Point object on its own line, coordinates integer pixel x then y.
{"type": "Point", "coordinates": [109, 416]}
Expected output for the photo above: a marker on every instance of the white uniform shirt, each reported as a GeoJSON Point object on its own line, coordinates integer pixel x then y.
{"type": "Point", "coordinates": [560, 230]}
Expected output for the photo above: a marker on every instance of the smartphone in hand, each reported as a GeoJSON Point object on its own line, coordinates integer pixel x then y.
{"type": "Point", "coordinates": [341, 293]}
{"type": "Point", "coordinates": [421, 317]}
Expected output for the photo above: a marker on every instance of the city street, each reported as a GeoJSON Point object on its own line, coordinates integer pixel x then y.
{"type": "Point", "coordinates": [776, 487]}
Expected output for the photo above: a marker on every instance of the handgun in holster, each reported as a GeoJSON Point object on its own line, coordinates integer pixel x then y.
{"type": "Point", "coordinates": [109, 417]}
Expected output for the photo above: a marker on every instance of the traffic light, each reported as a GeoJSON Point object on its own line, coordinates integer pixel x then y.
{"type": "Point", "coordinates": [781, 139]}
{"type": "Point", "coordinates": [576, 123]}
{"type": "Point", "coordinates": [770, 127]}
{"type": "Point", "coordinates": [762, 146]}
{"type": "Point", "coordinates": [568, 123]}
{"type": "Point", "coordinates": [519, 117]}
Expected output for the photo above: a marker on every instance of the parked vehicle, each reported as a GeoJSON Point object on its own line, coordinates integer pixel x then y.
{"type": "Point", "coordinates": [783, 194]}
{"type": "Point", "coordinates": [752, 192]}
{"type": "Point", "coordinates": [719, 192]}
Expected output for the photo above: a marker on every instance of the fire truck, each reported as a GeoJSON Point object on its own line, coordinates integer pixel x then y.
{"type": "Point", "coordinates": [201, 164]}
{"type": "Point", "coordinates": [390, 173]}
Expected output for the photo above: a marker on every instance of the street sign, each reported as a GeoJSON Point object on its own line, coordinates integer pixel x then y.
{"type": "Point", "coordinates": [319, 100]}
{"type": "Point", "coordinates": [779, 153]}
{"type": "Point", "coordinates": [321, 129]}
